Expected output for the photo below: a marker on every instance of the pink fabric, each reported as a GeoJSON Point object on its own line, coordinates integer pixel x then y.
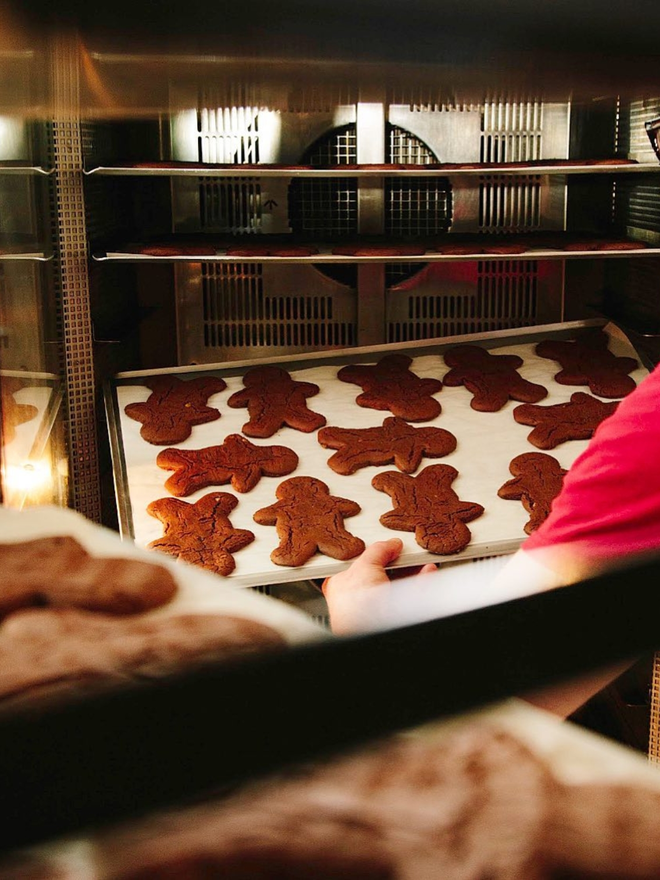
{"type": "Point", "coordinates": [610, 502]}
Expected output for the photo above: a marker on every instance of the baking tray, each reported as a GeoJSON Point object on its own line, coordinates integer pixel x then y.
{"type": "Point", "coordinates": [486, 444]}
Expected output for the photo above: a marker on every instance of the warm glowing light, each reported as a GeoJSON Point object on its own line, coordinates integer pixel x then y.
{"type": "Point", "coordinates": [27, 482]}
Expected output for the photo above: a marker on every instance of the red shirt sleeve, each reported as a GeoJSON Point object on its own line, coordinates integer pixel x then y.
{"type": "Point", "coordinates": [610, 502]}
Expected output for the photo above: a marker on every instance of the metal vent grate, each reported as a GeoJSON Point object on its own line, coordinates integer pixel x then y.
{"type": "Point", "coordinates": [404, 148]}
{"type": "Point", "coordinates": [507, 293]}
{"type": "Point", "coordinates": [492, 296]}
{"type": "Point", "coordinates": [633, 138]}
{"type": "Point", "coordinates": [415, 205]}
{"type": "Point", "coordinates": [237, 314]}
{"type": "Point", "coordinates": [509, 205]}
{"type": "Point", "coordinates": [230, 204]}
{"type": "Point", "coordinates": [511, 131]}
{"type": "Point", "coordinates": [338, 147]}
{"type": "Point", "coordinates": [637, 207]}
{"type": "Point", "coordinates": [326, 208]}
{"type": "Point", "coordinates": [227, 134]}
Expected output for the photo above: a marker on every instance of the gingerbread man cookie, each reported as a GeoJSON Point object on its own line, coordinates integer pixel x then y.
{"type": "Point", "coordinates": [492, 379]}
{"type": "Point", "coordinates": [309, 518]}
{"type": "Point", "coordinates": [575, 420]}
{"type": "Point", "coordinates": [174, 407]}
{"type": "Point", "coordinates": [395, 441]}
{"type": "Point", "coordinates": [11, 412]}
{"type": "Point", "coordinates": [429, 507]}
{"type": "Point", "coordinates": [200, 533]}
{"type": "Point", "coordinates": [537, 480]}
{"type": "Point", "coordinates": [273, 399]}
{"type": "Point", "coordinates": [46, 650]}
{"type": "Point", "coordinates": [588, 361]}
{"type": "Point", "coordinates": [236, 460]}
{"type": "Point", "coordinates": [391, 385]}
{"type": "Point", "coordinates": [59, 572]}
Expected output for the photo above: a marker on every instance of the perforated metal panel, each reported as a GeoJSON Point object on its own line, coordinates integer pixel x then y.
{"type": "Point", "coordinates": [72, 283]}
{"type": "Point", "coordinates": [509, 204]}
{"type": "Point", "coordinates": [230, 205]}
{"type": "Point", "coordinates": [232, 311]}
{"type": "Point", "coordinates": [511, 131]}
{"type": "Point", "coordinates": [227, 134]}
{"type": "Point", "coordinates": [453, 299]}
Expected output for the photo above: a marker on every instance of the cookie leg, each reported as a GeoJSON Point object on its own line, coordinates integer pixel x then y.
{"type": "Point", "coordinates": [294, 548]}
{"type": "Point", "coordinates": [443, 538]}
{"type": "Point", "coordinates": [342, 546]}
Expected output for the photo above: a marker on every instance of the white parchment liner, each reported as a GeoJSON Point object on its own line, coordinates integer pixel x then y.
{"type": "Point", "coordinates": [487, 442]}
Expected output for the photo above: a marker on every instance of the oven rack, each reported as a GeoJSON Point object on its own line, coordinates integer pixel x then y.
{"type": "Point", "coordinates": [325, 255]}
{"type": "Point", "coordinates": [183, 169]}
{"type": "Point", "coordinates": [37, 170]}
{"type": "Point", "coordinates": [36, 257]}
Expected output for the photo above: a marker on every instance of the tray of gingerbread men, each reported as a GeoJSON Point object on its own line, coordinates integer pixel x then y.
{"type": "Point", "coordinates": [271, 471]}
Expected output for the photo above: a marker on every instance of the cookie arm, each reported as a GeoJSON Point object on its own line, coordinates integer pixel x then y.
{"type": "Point", "coordinates": [266, 516]}
{"type": "Point", "coordinates": [347, 507]}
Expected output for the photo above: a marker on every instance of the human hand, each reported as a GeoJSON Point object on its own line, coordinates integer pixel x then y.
{"type": "Point", "coordinates": [347, 593]}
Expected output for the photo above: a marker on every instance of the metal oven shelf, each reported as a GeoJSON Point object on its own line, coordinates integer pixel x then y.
{"type": "Point", "coordinates": [325, 255]}
{"type": "Point", "coordinates": [183, 169]}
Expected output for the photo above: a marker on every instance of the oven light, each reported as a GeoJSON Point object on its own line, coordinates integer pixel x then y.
{"type": "Point", "coordinates": [28, 481]}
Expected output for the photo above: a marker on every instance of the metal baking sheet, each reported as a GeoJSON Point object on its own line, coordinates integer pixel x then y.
{"type": "Point", "coordinates": [325, 255]}
{"type": "Point", "coordinates": [265, 170]}
{"type": "Point", "coordinates": [486, 444]}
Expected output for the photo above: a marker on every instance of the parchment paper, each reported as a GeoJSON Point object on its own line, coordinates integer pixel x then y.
{"type": "Point", "coordinates": [487, 442]}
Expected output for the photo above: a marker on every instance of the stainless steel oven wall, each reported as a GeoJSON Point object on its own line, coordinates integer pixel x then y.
{"type": "Point", "coordinates": [230, 312]}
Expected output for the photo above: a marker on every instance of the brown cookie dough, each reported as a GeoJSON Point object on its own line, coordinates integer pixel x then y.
{"type": "Point", "coordinates": [391, 385]}
{"type": "Point", "coordinates": [177, 250]}
{"type": "Point", "coordinates": [379, 250]}
{"type": "Point", "coordinates": [587, 360]}
{"type": "Point", "coordinates": [47, 650]}
{"type": "Point", "coordinates": [505, 248]}
{"type": "Point", "coordinates": [200, 533]}
{"type": "Point", "coordinates": [537, 480]}
{"type": "Point", "coordinates": [58, 571]}
{"type": "Point", "coordinates": [273, 399]}
{"type": "Point", "coordinates": [429, 507]}
{"type": "Point", "coordinates": [174, 407]}
{"type": "Point", "coordinates": [13, 413]}
{"type": "Point", "coordinates": [492, 379]}
{"type": "Point", "coordinates": [236, 460]}
{"type": "Point", "coordinates": [394, 441]}
{"type": "Point", "coordinates": [472, 806]}
{"type": "Point", "coordinates": [575, 420]}
{"type": "Point", "coordinates": [458, 249]}
{"type": "Point", "coordinates": [271, 250]}
{"type": "Point", "coordinates": [309, 518]}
